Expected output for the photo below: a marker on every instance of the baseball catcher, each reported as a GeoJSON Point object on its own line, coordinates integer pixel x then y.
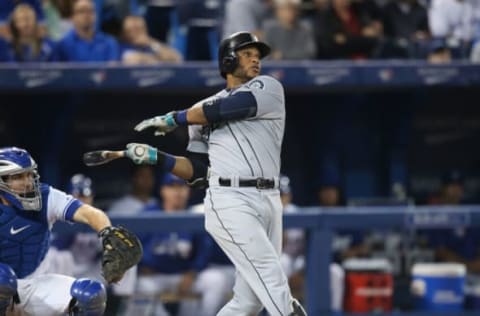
{"type": "Point", "coordinates": [121, 251]}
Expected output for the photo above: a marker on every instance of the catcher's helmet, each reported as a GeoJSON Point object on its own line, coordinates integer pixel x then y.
{"type": "Point", "coordinates": [227, 58]}
{"type": "Point", "coordinates": [14, 161]}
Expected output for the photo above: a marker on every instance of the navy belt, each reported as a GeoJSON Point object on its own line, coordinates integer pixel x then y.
{"type": "Point", "coordinates": [259, 183]}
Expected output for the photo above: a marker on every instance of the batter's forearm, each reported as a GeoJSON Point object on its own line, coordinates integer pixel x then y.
{"type": "Point", "coordinates": [183, 168]}
{"type": "Point", "coordinates": [196, 115]}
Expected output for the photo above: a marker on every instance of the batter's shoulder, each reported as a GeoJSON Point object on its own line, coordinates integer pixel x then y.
{"type": "Point", "coordinates": [266, 83]}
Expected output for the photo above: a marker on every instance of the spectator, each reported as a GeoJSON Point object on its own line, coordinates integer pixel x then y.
{"type": "Point", "coordinates": [27, 44]}
{"type": "Point", "coordinates": [139, 48]}
{"type": "Point", "coordinates": [58, 14]}
{"type": "Point", "coordinates": [201, 19]}
{"type": "Point", "coordinates": [406, 20]}
{"type": "Point", "coordinates": [176, 262]}
{"type": "Point", "coordinates": [84, 43]}
{"type": "Point", "coordinates": [452, 20]}
{"type": "Point", "coordinates": [347, 31]}
{"type": "Point", "coordinates": [289, 37]}
{"type": "Point", "coordinates": [246, 15]}
{"type": "Point", "coordinates": [140, 197]}
{"type": "Point", "coordinates": [6, 9]}
{"type": "Point", "coordinates": [406, 24]}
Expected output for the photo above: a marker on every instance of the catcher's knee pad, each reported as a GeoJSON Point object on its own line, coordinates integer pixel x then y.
{"type": "Point", "coordinates": [89, 298]}
{"type": "Point", "coordinates": [8, 286]}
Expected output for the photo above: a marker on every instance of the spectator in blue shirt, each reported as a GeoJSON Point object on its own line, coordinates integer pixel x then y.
{"type": "Point", "coordinates": [6, 9]}
{"type": "Point", "coordinates": [84, 43]}
{"type": "Point", "coordinates": [27, 44]}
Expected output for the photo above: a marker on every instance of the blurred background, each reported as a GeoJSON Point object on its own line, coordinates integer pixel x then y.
{"type": "Point", "coordinates": [382, 115]}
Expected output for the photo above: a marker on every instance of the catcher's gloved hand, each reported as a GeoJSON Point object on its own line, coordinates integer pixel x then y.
{"type": "Point", "coordinates": [163, 123]}
{"type": "Point", "coordinates": [141, 153]}
{"type": "Point", "coordinates": [121, 251]}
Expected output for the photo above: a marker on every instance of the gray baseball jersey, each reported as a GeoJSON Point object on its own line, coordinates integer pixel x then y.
{"type": "Point", "coordinates": [249, 147]}
{"type": "Point", "coordinates": [246, 222]}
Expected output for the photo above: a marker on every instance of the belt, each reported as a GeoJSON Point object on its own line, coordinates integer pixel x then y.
{"type": "Point", "coordinates": [259, 183]}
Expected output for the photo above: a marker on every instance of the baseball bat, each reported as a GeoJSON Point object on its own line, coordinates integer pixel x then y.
{"type": "Point", "coordinates": [100, 157]}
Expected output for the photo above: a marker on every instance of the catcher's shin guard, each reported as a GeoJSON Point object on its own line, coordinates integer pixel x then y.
{"type": "Point", "coordinates": [89, 298]}
{"type": "Point", "coordinates": [8, 287]}
{"type": "Point", "coordinates": [297, 309]}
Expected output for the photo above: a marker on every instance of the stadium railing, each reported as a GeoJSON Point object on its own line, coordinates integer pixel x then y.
{"type": "Point", "coordinates": [299, 76]}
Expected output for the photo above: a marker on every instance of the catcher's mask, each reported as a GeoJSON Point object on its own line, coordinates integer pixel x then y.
{"type": "Point", "coordinates": [16, 161]}
{"type": "Point", "coordinates": [227, 57]}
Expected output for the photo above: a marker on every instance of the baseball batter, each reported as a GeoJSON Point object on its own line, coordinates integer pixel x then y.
{"type": "Point", "coordinates": [238, 134]}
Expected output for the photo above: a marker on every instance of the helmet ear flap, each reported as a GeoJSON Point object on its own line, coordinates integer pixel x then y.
{"type": "Point", "coordinates": [229, 62]}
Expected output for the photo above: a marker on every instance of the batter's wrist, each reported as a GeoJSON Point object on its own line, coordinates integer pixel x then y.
{"type": "Point", "coordinates": [181, 118]}
{"type": "Point", "coordinates": [166, 161]}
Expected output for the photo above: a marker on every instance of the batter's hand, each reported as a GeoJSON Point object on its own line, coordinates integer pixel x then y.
{"type": "Point", "coordinates": [163, 124]}
{"type": "Point", "coordinates": [141, 153]}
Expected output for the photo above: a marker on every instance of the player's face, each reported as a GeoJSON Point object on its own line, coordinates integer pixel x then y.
{"type": "Point", "coordinates": [175, 197]}
{"type": "Point", "coordinates": [328, 196]}
{"type": "Point", "coordinates": [21, 183]}
{"type": "Point", "coordinates": [249, 65]}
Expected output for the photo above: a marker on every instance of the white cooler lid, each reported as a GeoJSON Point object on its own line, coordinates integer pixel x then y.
{"type": "Point", "coordinates": [361, 264]}
{"type": "Point", "coordinates": [439, 269]}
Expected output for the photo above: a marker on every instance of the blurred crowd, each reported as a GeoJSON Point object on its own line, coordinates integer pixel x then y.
{"type": "Point", "coordinates": [154, 31]}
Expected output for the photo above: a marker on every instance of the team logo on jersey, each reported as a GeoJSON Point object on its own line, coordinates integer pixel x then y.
{"type": "Point", "coordinates": [257, 84]}
{"type": "Point", "coordinates": [209, 102]}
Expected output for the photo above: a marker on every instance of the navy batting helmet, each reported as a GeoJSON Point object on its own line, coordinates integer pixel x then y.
{"type": "Point", "coordinates": [227, 58]}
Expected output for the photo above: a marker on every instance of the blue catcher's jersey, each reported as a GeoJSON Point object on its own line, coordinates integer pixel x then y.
{"type": "Point", "coordinates": [24, 235]}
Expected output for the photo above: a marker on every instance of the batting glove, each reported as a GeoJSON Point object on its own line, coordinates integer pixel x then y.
{"type": "Point", "coordinates": [141, 154]}
{"type": "Point", "coordinates": [163, 123]}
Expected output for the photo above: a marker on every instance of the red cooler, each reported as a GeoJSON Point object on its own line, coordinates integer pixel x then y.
{"type": "Point", "coordinates": [368, 285]}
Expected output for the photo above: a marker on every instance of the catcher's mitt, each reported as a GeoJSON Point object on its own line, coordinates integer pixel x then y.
{"type": "Point", "coordinates": [121, 251]}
